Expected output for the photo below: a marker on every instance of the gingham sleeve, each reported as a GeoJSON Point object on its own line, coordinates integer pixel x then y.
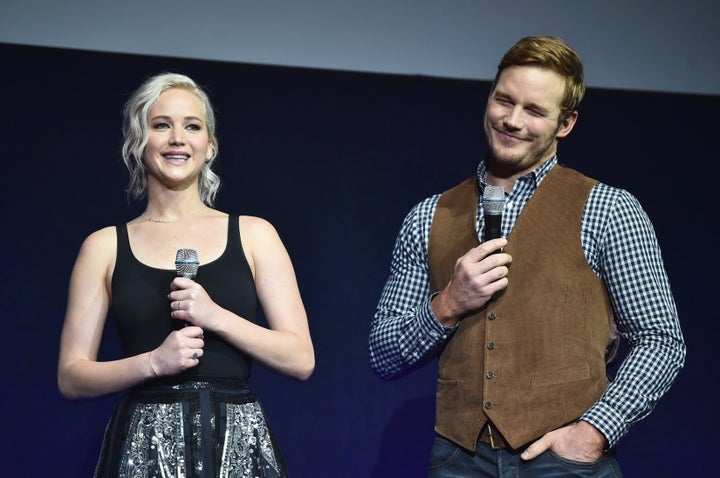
{"type": "Point", "coordinates": [627, 256]}
{"type": "Point", "coordinates": [404, 331]}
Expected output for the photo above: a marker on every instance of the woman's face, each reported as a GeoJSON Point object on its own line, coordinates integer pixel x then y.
{"type": "Point", "coordinates": [178, 141]}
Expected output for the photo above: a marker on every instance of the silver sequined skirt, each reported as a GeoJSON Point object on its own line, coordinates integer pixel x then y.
{"type": "Point", "coordinates": [202, 428]}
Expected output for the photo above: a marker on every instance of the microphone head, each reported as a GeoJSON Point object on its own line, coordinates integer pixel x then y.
{"type": "Point", "coordinates": [493, 200]}
{"type": "Point", "coordinates": [187, 263]}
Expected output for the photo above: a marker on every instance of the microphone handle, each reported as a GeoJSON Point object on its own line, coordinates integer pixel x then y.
{"type": "Point", "coordinates": [180, 324]}
{"type": "Point", "coordinates": [492, 228]}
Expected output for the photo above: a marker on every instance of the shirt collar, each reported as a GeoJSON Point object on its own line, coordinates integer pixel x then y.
{"type": "Point", "coordinates": [536, 175]}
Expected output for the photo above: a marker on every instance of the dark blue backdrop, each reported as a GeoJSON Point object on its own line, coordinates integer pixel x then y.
{"type": "Point", "coordinates": [334, 160]}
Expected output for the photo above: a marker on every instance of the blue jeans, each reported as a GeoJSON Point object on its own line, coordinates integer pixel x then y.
{"type": "Point", "coordinates": [447, 460]}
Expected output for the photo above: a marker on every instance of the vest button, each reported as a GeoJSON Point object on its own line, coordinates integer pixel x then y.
{"type": "Point", "coordinates": [492, 316]}
{"type": "Point", "coordinates": [491, 345]}
{"type": "Point", "coordinates": [490, 375]}
{"type": "Point", "coordinates": [488, 405]}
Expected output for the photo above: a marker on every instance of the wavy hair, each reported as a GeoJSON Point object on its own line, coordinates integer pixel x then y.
{"type": "Point", "coordinates": [553, 54]}
{"type": "Point", "coordinates": [135, 133]}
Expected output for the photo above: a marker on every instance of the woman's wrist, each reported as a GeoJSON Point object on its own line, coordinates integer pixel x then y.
{"type": "Point", "coordinates": [153, 371]}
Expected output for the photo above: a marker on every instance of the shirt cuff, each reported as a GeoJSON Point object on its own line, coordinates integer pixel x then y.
{"type": "Point", "coordinates": [608, 422]}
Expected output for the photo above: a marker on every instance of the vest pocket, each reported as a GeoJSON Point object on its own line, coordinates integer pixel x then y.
{"type": "Point", "coordinates": [560, 375]}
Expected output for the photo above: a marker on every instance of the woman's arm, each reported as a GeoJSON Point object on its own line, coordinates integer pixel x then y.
{"type": "Point", "coordinates": [79, 373]}
{"type": "Point", "coordinates": [285, 346]}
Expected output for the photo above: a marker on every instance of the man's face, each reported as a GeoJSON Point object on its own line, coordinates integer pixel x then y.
{"type": "Point", "coordinates": [522, 119]}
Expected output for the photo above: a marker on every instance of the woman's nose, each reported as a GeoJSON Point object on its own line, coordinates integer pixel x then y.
{"type": "Point", "coordinates": [176, 136]}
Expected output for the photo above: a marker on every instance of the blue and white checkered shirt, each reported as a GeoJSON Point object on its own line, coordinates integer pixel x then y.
{"type": "Point", "coordinates": [620, 246]}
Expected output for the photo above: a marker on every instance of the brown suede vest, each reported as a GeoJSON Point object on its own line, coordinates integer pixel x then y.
{"type": "Point", "coordinates": [533, 359]}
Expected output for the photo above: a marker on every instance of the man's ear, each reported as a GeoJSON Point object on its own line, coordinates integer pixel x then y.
{"type": "Point", "coordinates": [567, 125]}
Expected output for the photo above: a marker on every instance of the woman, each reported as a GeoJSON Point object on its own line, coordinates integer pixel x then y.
{"type": "Point", "coordinates": [188, 344]}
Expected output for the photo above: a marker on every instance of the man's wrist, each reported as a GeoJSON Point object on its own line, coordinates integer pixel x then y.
{"type": "Point", "coordinates": [441, 312]}
{"type": "Point", "coordinates": [591, 430]}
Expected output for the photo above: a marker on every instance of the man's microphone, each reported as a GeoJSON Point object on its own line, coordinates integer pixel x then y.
{"type": "Point", "coordinates": [493, 201]}
{"type": "Point", "coordinates": [186, 265]}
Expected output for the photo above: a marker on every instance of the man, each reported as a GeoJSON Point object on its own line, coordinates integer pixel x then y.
{"type": "Point", "coordinates": [521, 326]}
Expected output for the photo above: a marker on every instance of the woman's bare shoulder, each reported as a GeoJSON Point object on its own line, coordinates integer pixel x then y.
{"type": "Point", "coordinates": [102, 242]}
{"type": "Point", "coordinates": [256, 226]}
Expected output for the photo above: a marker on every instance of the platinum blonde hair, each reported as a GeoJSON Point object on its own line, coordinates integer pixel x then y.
{"type": "Point", "coordinates": [135, 133]}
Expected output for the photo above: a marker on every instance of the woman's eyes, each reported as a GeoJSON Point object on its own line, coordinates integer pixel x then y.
{"type": "Point", "coordinates": [190, 126]}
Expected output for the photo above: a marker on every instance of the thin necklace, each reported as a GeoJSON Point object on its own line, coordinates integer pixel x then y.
{"type": "Point", "coordinates": [157, 221]}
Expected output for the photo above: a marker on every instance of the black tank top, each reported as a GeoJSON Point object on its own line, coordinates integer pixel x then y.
{"type": "Point", "coordinates": [141, 309]}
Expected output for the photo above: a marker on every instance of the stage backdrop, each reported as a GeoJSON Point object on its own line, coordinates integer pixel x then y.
{"type": "Point", "coordinates": [334, 160]}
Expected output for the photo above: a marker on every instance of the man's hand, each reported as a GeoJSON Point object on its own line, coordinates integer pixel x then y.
{"type": "Point", "coordinates": [477, 276]}
{"type": "Point", "coordinates": [577, 442]}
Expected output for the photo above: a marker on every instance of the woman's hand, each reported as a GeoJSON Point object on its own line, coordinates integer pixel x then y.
{"type": "Point", "coordinates": [181, 350]}
{"type": "Point", "coordinates": [190, 302]}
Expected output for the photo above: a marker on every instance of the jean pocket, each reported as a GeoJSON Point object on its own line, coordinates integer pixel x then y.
{"type": "Point", "coordinates": [443, 453]}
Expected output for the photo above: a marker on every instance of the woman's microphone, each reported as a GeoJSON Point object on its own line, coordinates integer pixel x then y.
{"type": "Point", "coordinates": [187, 263]}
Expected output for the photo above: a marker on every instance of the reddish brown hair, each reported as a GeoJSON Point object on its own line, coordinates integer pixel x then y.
{"type": "Point", "coordinates": [553, 54]}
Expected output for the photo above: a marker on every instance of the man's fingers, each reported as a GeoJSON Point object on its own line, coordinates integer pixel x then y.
{"type": "Point", "coordinates": [536, 449]}
{"type": "Point", "coordinates": [486, 248]}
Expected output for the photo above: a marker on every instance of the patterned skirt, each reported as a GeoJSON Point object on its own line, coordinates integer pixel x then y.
{"type": "Point", "coordinates": [201, 428]}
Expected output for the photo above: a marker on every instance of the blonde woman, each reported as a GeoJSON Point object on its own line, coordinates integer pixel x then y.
{"type": "Point", "coordinates": [188, 342]}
